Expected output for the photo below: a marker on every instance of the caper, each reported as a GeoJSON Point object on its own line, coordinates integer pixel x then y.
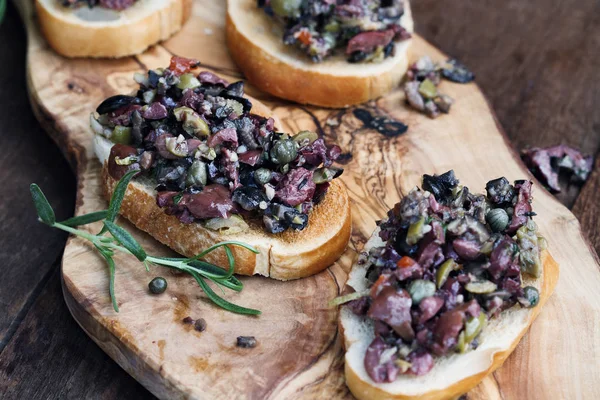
{"type": "Point", "coordinates": [427, 89]}
{"type": "Point", "coordinates": [497, 218]}
{"type": "Point", "coordinates": [262, 176]}
{"type": "Point", "coordinates": [531, 297]}
{"type": "Point", "coordinates": [481, 287]}
{"type": "Point", "coordinates": [305, 137]}
{"type": "Point", "coordinates": [283, 151]}
{"type": "Point", "coordinates": [286, 8]}
{"type": "Point", "coordinates": [416, 231]}
{"type": "Point", "coordinates": [177, 146]}
{"type": "Point", "coordinates": [188, 81]}
{"type": "Point", "coordinates": [196, 175]}
{"type": "Point", "coordinates": [157, 285]}
{"type": "Point", "coordinates": [121, 134]}
{"type": "Point", "coordinates": [420, 289]}
{"type": "Point", "coordinates": [444, 270]}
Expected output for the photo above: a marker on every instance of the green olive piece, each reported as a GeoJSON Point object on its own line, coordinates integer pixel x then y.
{"type": "Point", "coordinates": [497, 219]}
{"type": "Point", "coordinates": [157, 285]}
{"type": "Point", "coordinates": [121, 134]}
{"type": "Point", "coordinates": [188, 81]}
{"type": "Point", "coordinates": [305, 137]}
{"type": "Point", "coordinates": [196, 175]}
{"type": "Point", "coordinates": [420, 289]}
{"type": "Point", "coordinates": [427, 89]}
{"type": "Point", "coordinates": [322, 175]}
{"type": "Point", "coordinates": [532, 296]}
{"type": "Point", "coordinates": [461, 344]}
{"type": "Point", "coordinates": [192, 122]}
{"type": "Point", "coordinates": [332, 26]}
{"type": "Point", "coordinates": [474, 326]}
{"type": "Point", "coordinates": [416, 231]}
{"type": "Point", "coordinates": [529, 255]}
{"type": "Point", "coordinates": [286, 8]}
{"type": "Point", "coordinates": [481, 287]}
{"type": "Point", "coordinates": [176, 146]}
{"type": "Point", "coordinates": [233, 224]}
{"type": "Point", "coordinates": [284, 151]}
{"type": "Point", "coordinates": [444, 270]}
{"type": "Point", "coordinates": [262, 176]}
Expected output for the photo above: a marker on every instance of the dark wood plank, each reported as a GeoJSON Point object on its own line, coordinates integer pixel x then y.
{"type": "Point", "coordinates": [537, 61]}
{"type": "Point", "coordinates": [50, 357]}
{"type": "Point", "coordinates": [587, 207]}
{"type": "Point", "coordinates": [27, 249]}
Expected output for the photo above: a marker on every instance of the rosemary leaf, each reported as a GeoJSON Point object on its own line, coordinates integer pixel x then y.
{"type": "Point", "coordinates": [222, 302]}
{"type": "Point", "coordinates": [44, 210]}
{"type": "Point", "coordinates": [126, 240]}
{"type": "Point", "coordinates": [85, 219]}
{"type": "Point", "coordinates": [111, 270]}
{"type": "Point", "coordinates": [117, 198]}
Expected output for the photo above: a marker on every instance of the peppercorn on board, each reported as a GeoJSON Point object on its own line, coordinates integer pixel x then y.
{"type": "Point", "coordinates": [299, 354]}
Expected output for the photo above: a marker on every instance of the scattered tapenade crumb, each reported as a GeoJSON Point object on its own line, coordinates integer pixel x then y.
{"type": "Point", "coordinates": [366, 31]}
{"type": "Point", "coordinates": [118, 5]}
{"type": "Point", "coordinates": [188, 320]}
{"type": "Point", "coordinates": [451, 261]}
{"type": "Point", "coordinates": [211, 159]}
{"type": "Point", "coordinates": [246, 341]}
{"type": "Point", "coordinates": [200, 325]}
{"type": "Point", "coordinates": [423, 79]}
{"type": "Point", "coordinates": [546, 164]}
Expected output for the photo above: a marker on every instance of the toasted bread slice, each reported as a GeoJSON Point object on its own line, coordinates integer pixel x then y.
{"type": "Point", "coordinates": [451, 375]}
{"type": "Point", "coordinates": [99, 32]}
{"type": "Point", "coordinates": [288, 255]}
{"type": "Point", "coordinates": [255, 44]}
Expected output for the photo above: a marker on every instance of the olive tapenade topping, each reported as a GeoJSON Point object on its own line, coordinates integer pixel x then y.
{"type": "Point", "coordinates": [451, 261]}
{"type": "Point", "coordinates": [118, 5]}
{"type": "Point", "coordinates": [365, 30]}
{"type": "Point", "coordinates": [423, 79]}
{"type": "Point", "coordinates": [212, 160]}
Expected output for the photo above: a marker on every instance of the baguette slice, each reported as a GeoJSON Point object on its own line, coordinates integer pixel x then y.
{"type": "Point", "coordinates": [255, 44]}
{"type": "Point", "coordinates": [288, 255]}
{"type": "Point", "coordinates": [99, 32]}
{"type": "Point", "coordinates": [452, 375]}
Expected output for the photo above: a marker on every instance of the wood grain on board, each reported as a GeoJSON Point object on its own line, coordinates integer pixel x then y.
{"type": "Point", "coordinates": [298, 354]}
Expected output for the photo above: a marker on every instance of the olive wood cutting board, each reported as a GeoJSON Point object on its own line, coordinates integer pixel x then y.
{"type": "Point", "coordinates": [299, 353]}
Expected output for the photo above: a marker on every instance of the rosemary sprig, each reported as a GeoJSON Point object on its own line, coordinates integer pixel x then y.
{"type": "Point", "coordinates": [123, 241]}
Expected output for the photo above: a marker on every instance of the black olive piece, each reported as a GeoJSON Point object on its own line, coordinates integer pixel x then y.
{"type": "Point", "coordinates": [157, 285]}
{"type": "Point", "coordinates": [458, 72]}
{"type": "Point", "coordinates": [386, 126]}
{"type": "Point", "coordinates": [235, 89]}
{"type": "Point", "coordinates": [187, 320]}
{"type": "Point", "coordinates": [389, 49]}
{"type": "Point", "coordinates": [357, 56]}
{"type": "Point", "coordinates": [153, 78]}
{"type": "Point", "coordinates": [200, 325]}
{"type": "Point", "coordinates": [249, 198]}
{"type": "Point", "coordinates": [500, 191]}
{"type": "Point", "coordinates": [273, 225]}
{"type": "Point", "coordinates": [136, 130]}
{"type": "Point", "coordinates": [440, 185]}
{"type": "Point", "coordinates": [223, 112]}
{"type": "Point", "coordinates": [246, 342]}
{"type": "Point", "coordinates": [403, 248]}
{"type": "Point", "coordinates": [260, 3]}
{"type": "Point", "coordinates": [115, 102]}
{"type": "Point", "coordinates": [247, 177]}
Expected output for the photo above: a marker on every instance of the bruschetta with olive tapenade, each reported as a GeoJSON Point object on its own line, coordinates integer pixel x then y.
{"type": "Point", "coordinates": [330, 54]}
{"type": "Point", "coordinates": [109, 28]}
{"type": "Point", "coordinates": [213, 167]}
{"type": "Point", "coordinates": [444, 290]}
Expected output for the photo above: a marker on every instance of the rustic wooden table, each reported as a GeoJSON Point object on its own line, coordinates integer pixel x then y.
{"type": "Point", "coordinates": [537, 62]}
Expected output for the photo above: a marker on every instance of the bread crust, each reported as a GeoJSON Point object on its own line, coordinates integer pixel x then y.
{"type": "Point", "coordinates": [79, 39]}
{"type": "Point", "coordinates": [364, 390]}
{"type": "Point", "coordinates": [307, 86]}
{"type": "Point", "coordinates": [285, 256]}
